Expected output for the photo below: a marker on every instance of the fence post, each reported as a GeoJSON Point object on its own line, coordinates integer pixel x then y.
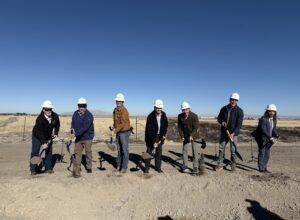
{"type": "Point", "coordinates": [136, 130]}
{"type": "Point", "coordinates": [24, 128]}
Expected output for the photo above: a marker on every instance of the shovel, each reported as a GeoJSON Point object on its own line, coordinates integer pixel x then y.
{"type": "Point", "coordinates": [235, 147]}
{"type": "Point", "coordinates": [37, 160]}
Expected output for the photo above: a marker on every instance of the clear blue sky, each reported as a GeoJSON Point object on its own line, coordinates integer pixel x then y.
{"type": "Point", "coordinates": [195, 51]}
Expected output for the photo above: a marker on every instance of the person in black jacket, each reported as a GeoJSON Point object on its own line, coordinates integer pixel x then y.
{"type": "Point", "coordinates": [42, 135]}
{"type": "Point", "coordinates": [188, 126]}
{"type": "Point", "coordinates": [266, 135]}
{"type": "Point", "coordinates": [230, 118]}
{"type": "Point", "coordinates": [155, 133]}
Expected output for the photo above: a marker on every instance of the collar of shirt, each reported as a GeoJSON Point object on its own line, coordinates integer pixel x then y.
{"type": "Point", "coordinates": [48, 118]}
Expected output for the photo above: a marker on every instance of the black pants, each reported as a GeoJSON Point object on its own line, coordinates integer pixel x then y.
{"type": "Point", "coordinates": [156, 153]}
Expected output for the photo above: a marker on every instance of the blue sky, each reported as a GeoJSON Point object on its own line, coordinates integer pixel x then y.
{"type": "Point", "coordinates": [194, 51]}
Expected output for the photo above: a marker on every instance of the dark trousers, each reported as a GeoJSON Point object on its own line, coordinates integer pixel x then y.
{"type": "Point", "coordinates": [263, 156]}
{"type": "Point", "coordinates": [157, 156]}
{"type": "Point", "coordinates": [36, 147]}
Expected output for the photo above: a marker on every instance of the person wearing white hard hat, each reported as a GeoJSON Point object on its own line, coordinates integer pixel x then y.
{"type": "Point", "coordinates": [155, 134]}
{"type": "Point", "coordinates": [266, 135]}
{"type": "Point", "coordinates": [45, 129]}
{"type": "Point", "coordinates": [188, 125]}
{"type": "Point", "coordinates": [82, 129]}
{"type": "Point", "coordinates": [230, 118]}
{"type": "Point", "coordinates": [122, 129]}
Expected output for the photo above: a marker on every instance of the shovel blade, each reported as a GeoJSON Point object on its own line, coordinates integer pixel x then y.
{"type": "Point", "coordinates": [36, 160]}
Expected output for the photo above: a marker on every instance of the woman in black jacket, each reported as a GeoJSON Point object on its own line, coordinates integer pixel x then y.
{"type": "Point", "coordinates": [266, 135]}
{"type": "Point", "coordinates": [155, 132]}
{"type": "Point", "coordinates": [42, 135]}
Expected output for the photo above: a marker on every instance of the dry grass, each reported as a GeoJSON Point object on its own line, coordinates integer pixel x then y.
{"type": "Point", "coordinates": [17, 128]}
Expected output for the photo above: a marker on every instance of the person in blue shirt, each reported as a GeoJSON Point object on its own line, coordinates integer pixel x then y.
{"type": "Point", "coordinates": [82, 128]}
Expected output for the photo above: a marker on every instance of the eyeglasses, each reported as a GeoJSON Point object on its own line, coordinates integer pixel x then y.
{"type": "Point", "coordinates": [82, 106]}
{"type": "Point", "coordinates": [235, 100]}
{"type": "Point", "coordinates": [48, 109]}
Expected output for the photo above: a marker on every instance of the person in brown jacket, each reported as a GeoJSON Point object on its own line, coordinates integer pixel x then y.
{"type": "Point", "coordinates": [188, 124]}
{"type": "Point", "coordinates": [121, 129]}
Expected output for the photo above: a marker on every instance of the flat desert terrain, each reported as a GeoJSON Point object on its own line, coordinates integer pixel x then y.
{"type": "Point", "coordinates": [244, 194]}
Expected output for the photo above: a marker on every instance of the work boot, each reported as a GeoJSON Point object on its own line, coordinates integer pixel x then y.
{"type": "Point", "coordinates": [218, 168]}
{"type": "Point", "coordinates": [159, 170]}
{"type": "Point", "coordinates": [184, 169]}
{"type": "Point", "coordinates": [116, 170]}
{"type": "Point", "coordinates": [33, 173]}
{"type": "Point", "coordinates": [123, 171]}
{"type": "Point", "coordinates": [49, 171]}
{"type": "Point", "coordinates": [89, 170]}
{"type": "Point", "coordinates": [76, 175]}
{"type": "Point", "coordinates": [195, 171]}
{"type": "Point", "coordinates": [232, 169]}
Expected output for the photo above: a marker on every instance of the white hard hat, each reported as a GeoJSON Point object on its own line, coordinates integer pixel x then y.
{"type": "Point", "coordinates": [185, 105]}
{"type": "Point", "coordinates": [235, 96]}
{"type": "Point", "coordinates": [158, 103]}
{"type": "Point", "coordinates": [120, 97]}
{"type": "Point", "coordinates": [271, 107]}
{"type": "Point", "coordinates": [47, 104]}
{"type": "Point", "coordinates": [82, 101]}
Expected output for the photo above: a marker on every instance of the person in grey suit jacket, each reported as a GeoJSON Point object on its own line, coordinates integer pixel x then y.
{"type": "Point", "coordinates": [266, 135]}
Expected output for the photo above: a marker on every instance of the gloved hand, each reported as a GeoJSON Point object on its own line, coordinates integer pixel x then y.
{"type": "Point", "coordinates": [191, 139]}
{"type": "Point", "coordinates": [155, 145]}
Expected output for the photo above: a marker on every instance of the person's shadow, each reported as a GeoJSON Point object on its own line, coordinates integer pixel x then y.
{"type": "Point", "coordinates": [108, 158]}
{"type": "Point", "coordinates": [260, 213]}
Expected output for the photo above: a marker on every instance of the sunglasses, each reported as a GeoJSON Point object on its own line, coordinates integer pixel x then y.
{"type": "Point", "coordinates": [48, 109]}
{"type": "Point", "coordinates": [82, 106]}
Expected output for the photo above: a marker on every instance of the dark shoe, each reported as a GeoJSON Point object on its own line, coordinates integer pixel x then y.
{"type": "Point", "coordinates": [75, 175]}
{"type": "Point", "coordinates": [267, 171]}
{"type": "Point", "coordinates": [159, 170]}
{"type": "Point", "coordinates": [184, 169]}
{"type": "Point", "coordinates": [33, 173]}
{"type": "Point", "coordinates": [261, 171]}
{"type": "Point", "coordinates": [49, 171]}
{"type": "Point", "coordinates": [89, 170]}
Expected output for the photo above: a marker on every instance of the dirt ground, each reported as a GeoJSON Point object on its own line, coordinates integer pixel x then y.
{"type": "Point", "coordinates": [245, 194]}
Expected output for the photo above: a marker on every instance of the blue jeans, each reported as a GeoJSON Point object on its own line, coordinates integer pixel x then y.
{"type": "Point", "coordinates": [122, 140]}
{"type": "Point", "coordinates": [36, 147]}
{"type": "Point", "coordinates": [263, 156]}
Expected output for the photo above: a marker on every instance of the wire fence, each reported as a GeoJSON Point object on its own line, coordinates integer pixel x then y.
{"type": "Point", "coordinates": [19, 129]}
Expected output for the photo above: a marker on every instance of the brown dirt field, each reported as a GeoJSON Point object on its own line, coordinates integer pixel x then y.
{"type": "Point", "coordinates": [245, 194]}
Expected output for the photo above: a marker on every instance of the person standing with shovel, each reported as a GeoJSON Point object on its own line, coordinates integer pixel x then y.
{"type": "Point", "coordinates": [266, 135]}
{"type": "Point", "coordinates": [82, 128]}
{"type": "Point", "coordinates": [188, 125]}
{"type": "Point", "coordinates": [121, 129]}
{"type": "Point", "coordinates": [42, 135]}
{"type": "Point", "coordinates": [230, 118]}
{"type": "Point", "coordinates": [155, 135]}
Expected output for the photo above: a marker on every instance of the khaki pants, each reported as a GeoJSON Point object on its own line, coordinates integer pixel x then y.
{"type": "Point", "coordinates": [195, 151]}
{"type": "Point", "coordinates": [87, 145]}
